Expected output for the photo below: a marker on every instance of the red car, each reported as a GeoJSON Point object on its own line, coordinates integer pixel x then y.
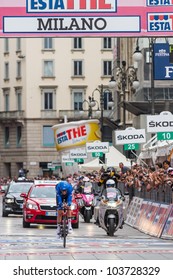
{"type": "Point", "coordinates": [39, 205]}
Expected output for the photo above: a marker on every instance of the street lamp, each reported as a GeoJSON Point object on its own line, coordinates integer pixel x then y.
{"type": "Point", "coordinates": [91, 103]}
{"type": "Point", "coordinates": [126, 76]}
{"type": "Point", "coordinates": [137, 56]}
{"type": "Point", "coordinates": [110, 104]}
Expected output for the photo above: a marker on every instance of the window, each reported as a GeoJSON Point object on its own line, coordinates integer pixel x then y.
{"type": "Point", "coordinates": [19, 99]}
{"type": "Point", "coordinates": [7, 136]}
{"type": "Point", "coordinates": [48, 96]}
{"type": "Point", "coordinates": [18, 74]}
{"type": "Point", "coordinates": [77, 43]}
{"type": "Point", "coordinates": [18, 44]}
{"type": "Point", "coordinates": [107, 68]}
{"type": "Point", "coordinates": [78, 99]}
{"type": "Point", "coordinates": [107, 43]}
{"type": "Point", "coordinates": [107, 98]}
{"type": "Point", "coordinates": [78, 68]}
{"type": "Point", "coordinates": [6, 71]}
{"type": "Point", "coordinates": [48, 43]}
{"type": "Point", "coordinates": [19, 135]}
{"type": "Point", "coordinates": [48, 136]}
{"type": "Point", "coordinates": [6, 45]}
{"type": "Point", "coordinates": [48, 68]}
{"type": "Point", "coordinates": [6, 99]}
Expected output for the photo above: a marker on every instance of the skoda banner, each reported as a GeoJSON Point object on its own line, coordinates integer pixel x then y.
{"type": "Point", "coordinates": [163, 61]}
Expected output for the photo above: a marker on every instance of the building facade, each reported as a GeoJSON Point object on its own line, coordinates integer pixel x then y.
{"type": "Point", "coordinates": [43, 82]}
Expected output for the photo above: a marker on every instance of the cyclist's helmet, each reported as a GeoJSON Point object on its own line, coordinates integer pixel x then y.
{"type": "Point", "coordinates": [64, 186]}
{"type": "Point", "coordinates": [110, 183]}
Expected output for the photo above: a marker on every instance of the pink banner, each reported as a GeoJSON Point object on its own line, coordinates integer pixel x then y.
{"type": "Point", "coordinates": [94, 18]}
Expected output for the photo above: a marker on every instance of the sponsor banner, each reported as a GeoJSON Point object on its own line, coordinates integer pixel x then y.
{"type": "Point", "coordinates": [160, 22]}
{"type": "Point", "coordinates": [76, 134]}
{"type": "Point", "coordinates": [97, 147]}
{"type": "Point", "coordinates": [78, 153]}
{"type": "Point", "coordinates": [135, 18]}
{"type": "Point", "coordinates": [130, 136]}
{"type": "Point", "coordinates": [133, 210]}
{"type": "Point", "coordinates": [168, 228]}
{"type": "Point", "coordinates": [163, 61]}
{"type": "Point", "coordinates": [159, 220]}
{"type": "Point", "coordinates": [160, 123]}
{"type": "Point", "coordinates": [149, 217]}
{"type": "Point", "coordinates": [69, 6]}
{"type": "Point", "coordinates": [157, 3]}
{"type": "Point", "coordinates": [142, 219]}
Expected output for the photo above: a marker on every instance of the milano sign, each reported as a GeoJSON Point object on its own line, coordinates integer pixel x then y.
{"type": "Point", "coordinates": [62, 18]}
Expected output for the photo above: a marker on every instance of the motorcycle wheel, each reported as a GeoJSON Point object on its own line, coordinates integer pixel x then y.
{"type": "Point", "coordinates": [111, 227]}
{"type": "Point", "coordinates": [87, 216]}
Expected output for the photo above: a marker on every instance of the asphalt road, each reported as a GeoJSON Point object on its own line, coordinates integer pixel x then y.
{"type": "Point", "coordinates": [89, 242]}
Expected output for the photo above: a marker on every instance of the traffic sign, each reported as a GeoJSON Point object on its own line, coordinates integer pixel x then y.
{"type": "Point", "coordinates": [97, 154]}
{"type": "Point", "coordinates": [165, 136]}
{"type": "Point", "coordinates": [128, 147]}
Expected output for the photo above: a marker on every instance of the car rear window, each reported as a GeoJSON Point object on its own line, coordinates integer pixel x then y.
{"type": "Point", "coordinates": [20, 188]}
{"type": "Point", "coordinates": [43, 192]}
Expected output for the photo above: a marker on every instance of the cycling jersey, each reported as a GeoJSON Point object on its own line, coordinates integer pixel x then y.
{"type": "Point", "coordinates": [60, 197]}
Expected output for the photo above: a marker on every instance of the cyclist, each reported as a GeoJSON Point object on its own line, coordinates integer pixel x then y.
{"type": "Point", "coordinates": [63, 192]}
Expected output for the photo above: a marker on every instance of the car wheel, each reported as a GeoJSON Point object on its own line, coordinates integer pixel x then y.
{"type": "Point", "coordinates": [4, 214]}
{"type": "Point", "coordinates": [25, 224]}
{"type": "Point", "coordinates": [76, 225]}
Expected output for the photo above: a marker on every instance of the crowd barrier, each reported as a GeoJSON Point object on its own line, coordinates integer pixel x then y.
{"type": "Point", "coordinates": [150, 217]}
{"type": "Point", "coordinates": [162, 194]}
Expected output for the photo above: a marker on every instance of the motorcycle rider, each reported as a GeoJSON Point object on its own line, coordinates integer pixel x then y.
{"type": "Point", "coordinates": [63, 192]}
{"type": "Point", "coordinates": [110, 183]}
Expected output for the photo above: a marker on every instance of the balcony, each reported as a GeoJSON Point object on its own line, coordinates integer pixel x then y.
{"type": "Point", "coordinates": [73, 115]}
{"type": "Point", "coordinates": [11, 115]}
{"type": "Point", "coordinates": [48, 114]}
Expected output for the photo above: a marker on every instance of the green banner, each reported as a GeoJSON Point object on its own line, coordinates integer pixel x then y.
{"type": "Point", "coordinates": [128, 147]}
{"type": "Point", "coordinates": [165, 136]}
{"type": "Point", "coordinates": [97, 154]}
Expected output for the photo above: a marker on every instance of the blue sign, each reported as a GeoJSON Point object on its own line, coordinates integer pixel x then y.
{"type": "Point", "coordinates": [163, 61]}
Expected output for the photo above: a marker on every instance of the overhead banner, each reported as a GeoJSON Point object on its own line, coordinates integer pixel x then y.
{"type": "Point", "coordinates": [163, 61]}
{"type": "Point", "coordinates": [62, 18]}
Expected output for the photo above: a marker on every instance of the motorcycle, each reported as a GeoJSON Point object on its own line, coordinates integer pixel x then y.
{"type": "Point", "coordinates": [110, 214]}
{"type": "Point", "coordinates": [86, 202]}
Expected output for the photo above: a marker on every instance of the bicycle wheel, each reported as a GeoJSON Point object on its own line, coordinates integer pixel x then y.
{"type": "Point", "coordinates": [64, 230]}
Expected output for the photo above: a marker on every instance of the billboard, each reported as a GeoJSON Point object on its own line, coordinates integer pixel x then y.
{"type": "Point", "coordinates": [83, 18]}
{"type": "Point", "coordinates": [163, 61]}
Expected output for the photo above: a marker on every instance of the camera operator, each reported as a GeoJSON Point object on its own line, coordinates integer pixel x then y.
{"type": "Point", "coordinates": [109, 174]}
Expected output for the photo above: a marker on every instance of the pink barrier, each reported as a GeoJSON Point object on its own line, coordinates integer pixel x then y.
{"type": "Point", "coordinates": [168, 228]}
{"type": "Point", "coordinates": [152, 218]}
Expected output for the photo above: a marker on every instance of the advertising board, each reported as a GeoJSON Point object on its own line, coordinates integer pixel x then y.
{"type": "Point", "coordinates": [62, 18]}
{"type": "Point", "coordinates": [163, 62]}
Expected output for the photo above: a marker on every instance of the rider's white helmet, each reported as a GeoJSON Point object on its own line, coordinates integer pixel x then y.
{"type": "Point", "coordinates": [110, 183]}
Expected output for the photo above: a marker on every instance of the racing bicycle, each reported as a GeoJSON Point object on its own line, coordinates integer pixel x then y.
{"type": "Point", "coordinates": [64, 224]}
